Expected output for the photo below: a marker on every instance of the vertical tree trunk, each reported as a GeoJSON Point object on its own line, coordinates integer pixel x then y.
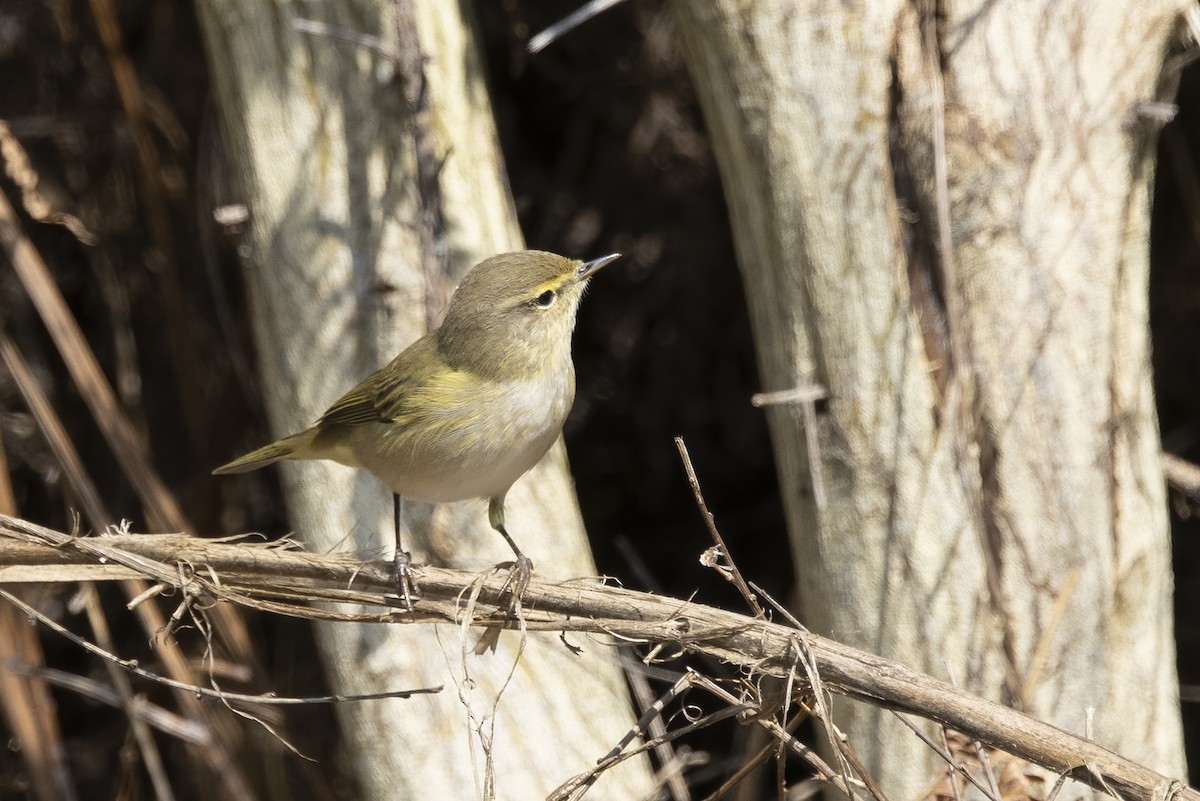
{"type": "Point", "coordinates": [941, 216]}
{"type": "Point", "coordinates": [373, 183]}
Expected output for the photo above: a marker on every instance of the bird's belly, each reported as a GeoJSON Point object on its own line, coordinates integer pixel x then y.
{"type": "Point", "coordinates": [442, 458]}
{"type": "Point", "coordinates": [474, 473]}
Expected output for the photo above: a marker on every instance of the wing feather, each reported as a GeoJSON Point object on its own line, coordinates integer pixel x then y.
{"type": "Point", "coordinates": [386, 395]}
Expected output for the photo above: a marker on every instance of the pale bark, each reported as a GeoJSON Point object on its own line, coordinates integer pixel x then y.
{"type": "Point", "coordinates": [995, 507]}
{"type": "Point", "coordinates": [346, 266]}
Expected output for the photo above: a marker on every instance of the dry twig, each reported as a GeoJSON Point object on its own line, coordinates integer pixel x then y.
{"type": "Point", "coordinates": [268, 577]}
{"type": "Point", "coordinates": [569, 23]}
{"type": "Point", "coordinates": [730, 572]}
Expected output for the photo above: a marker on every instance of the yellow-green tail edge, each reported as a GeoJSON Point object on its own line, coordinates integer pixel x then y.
{"type": "Point", "coordinates": [287, 448]}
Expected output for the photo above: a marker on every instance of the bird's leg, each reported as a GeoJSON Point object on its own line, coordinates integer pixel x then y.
{"type": "Point", "coordinates": [522, 567]}
{"type": "Point", "coordinates": [405, 582]}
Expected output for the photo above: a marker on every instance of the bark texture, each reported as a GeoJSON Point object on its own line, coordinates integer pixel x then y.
{"type": "Point", "coordinates": [373, 182]}
{"type": "Point", "coordinates": [941, 216]}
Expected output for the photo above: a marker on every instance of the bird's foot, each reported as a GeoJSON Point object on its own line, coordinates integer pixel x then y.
{"type": "Point", "coordinates": [406, 582]}
{"type": "Point", "coordinates": [519, 573]}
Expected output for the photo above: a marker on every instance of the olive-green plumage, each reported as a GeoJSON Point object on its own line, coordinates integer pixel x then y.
{"type": "Point", "coordinates": [469, 408]}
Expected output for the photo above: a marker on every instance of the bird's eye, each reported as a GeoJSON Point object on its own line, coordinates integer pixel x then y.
{"type": "Point", "coordinates": [544, 299]}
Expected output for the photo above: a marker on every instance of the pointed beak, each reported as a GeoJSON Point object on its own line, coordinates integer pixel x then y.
{"type": "Point", "coordinates": [590, 268]}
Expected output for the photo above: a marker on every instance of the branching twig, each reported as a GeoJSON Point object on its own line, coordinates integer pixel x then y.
{"type": "Point", "coordinates": [249, 572]}
{"type": "Point", "coordinates": [133, 667]}
{"type": "Point", "coordinates": [574, 788]}
{"type": "Point", "coordinates": [947, 758]}
{"type": "Point", "coordinates": [810, 756]}
{"type": "Point", "coordinates": [185, 729]}
{"type": "Point", "coordinates": [754, 762]}
{"type": "Point", "coordinates": [639, 684]}
{"type": "Point", "coordinates": [732, 573]}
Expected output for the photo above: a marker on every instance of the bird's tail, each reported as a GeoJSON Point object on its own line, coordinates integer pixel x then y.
{"type": "Point", "coordinates": [296, 446]}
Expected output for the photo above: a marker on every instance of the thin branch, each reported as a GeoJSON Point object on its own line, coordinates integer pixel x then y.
{"type": "Point", "coordinates": [639, 684]}
{"type": "Point", "coordinates": [567, 24]}
{"type": "Point", "coordinates": [18, 168]}
{"type": "Point", "coordinates": [1182, 475]}
{"type": "Point", "coordinates": [953, 775]}
{"type": "Point", "coordinates": [132, 666]}
{"type": "Point", "coordinates": [757, 646]}
{"type": "Point", "coordinates": [810, 756]}
{"type": "Point", "coordinates": [752, 764]}
{"type": "Point", "coordinates": [317, 28]}
{"type": "Point", "coordinates": [807, 396]}
{"type": "Point", "coordinates": [147, 746]}
{"type": "Point", "coordinates": [731, 573]}
{"type": "Point", "coordinates": [164, 720]}
{"type": "Point", "coordinates": [986, 767]}
{"type": "Point", "coordinates": [847, 752]}
{"type": "Point", "coordinates": [947, 758]}
{"type": "Point", "coordinates": [574, 788]}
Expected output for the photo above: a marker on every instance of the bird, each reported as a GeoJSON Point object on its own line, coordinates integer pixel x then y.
{"type": "Point", "coordinates": [470, 407]}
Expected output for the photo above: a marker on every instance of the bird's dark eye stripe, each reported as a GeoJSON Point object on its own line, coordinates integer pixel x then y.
{"type": "Point", "coordinates": [545, 299]}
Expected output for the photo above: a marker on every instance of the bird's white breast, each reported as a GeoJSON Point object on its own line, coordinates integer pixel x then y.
{"type": "Point", "coordinates": [512, 426]}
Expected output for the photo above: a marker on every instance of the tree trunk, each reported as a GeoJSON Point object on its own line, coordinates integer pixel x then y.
{"type": "Point", "coordinates": [941, 216]}
{"type": "Point", "coordinates": [374, 181]}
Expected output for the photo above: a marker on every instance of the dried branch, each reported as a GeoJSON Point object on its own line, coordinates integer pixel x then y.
{"type": "Point", "coordinates": [185, 729]}
{"type": "Point", "coordinates": [807, 396]}
{"type": "Point", "coordinates": [281, 579]}
{"type": "Point", "coordinates": [1182, 475]}
{"type": "Point", "coordinates": [564, 26]}
{"type": "Point", "coordinates": [671, 763]}
{"type": "Point", "coordinates": [221, 695]}
{"type": "Point", "coordinates": [729, 571]}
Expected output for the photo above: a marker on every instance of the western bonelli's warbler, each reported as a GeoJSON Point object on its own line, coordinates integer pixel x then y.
{"type": "Point", "coordinates": [469, 408]}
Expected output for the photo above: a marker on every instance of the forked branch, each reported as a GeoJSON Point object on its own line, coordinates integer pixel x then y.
{"type": "Point", "coordinates": [289, 581]}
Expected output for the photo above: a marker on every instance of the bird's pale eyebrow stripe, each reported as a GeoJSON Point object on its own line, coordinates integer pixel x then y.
{"type": "Point", "coordinates": [554, 284]}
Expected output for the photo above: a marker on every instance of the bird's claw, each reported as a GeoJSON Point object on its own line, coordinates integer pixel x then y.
{"type": "Point", "coordinates": [520, 571]}
{"type": "Point", "coordinates": [406, 582]}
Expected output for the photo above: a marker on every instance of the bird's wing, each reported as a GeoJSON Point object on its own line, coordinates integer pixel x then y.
{"type": "Point", "coordinates": [387, 395]}
{"type": "Point", "coordinates": [358, 406]}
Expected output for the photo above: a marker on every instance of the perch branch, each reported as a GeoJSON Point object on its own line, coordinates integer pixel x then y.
{"type": "Point", "coordinates": [259, 575]}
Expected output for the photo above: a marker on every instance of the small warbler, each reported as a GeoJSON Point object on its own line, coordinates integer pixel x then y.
{"type": "Point", "coordinates": [469, 408]}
